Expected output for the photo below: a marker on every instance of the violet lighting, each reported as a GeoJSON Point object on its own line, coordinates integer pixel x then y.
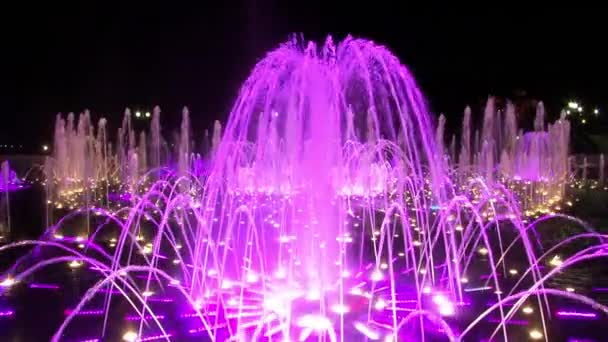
{"type": "Point", "coordinates": [155, 337]}
{"type": "Point", "coordinates": [44, 286]}
{"type": "Point", "coordinates": [576, 314]}
{"type": "Point", "coordinates": [85, 312]}
{"type": "Point", "coordinates": [147, 317]}
{"type": "Point", "coordinates": [6, 313]}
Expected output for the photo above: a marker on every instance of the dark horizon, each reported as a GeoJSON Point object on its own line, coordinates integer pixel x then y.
{"type": "Point", "coordinates": [106, 58]}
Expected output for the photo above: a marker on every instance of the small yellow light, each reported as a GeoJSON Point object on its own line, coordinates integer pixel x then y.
{"type": "Point", "coordinates": [75, 264]}
{"type": "Point", "coordinates": [556, 261]}
{"type": "Point", "coordinates": [535, 334]}
{"type": "Point", "coordinates": [130, 336]}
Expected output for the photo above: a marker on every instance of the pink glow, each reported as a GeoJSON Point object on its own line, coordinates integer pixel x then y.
{"type": "Point", "coordinates": [148, 317]}
{"type": "Point", "coordinates": [576, 314]}
{"type": "Point", "coordinates": [44, 286]}
{"type": "Point", "coordinates": [154, 337]}
{"type": "Point", "coordinates": [445, 306]}
{"type": "Point", "coordinates": [85, 312]}
{"type": "Point", "coordinates": [6, 313]}
{"type": "Point", "coordinates": [163, 300]}
{"type": "Point", "coordinates": [510, 321]}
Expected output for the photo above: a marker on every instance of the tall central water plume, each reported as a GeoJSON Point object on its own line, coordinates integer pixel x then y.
{"type": "Point", "coordinates": [323, 130]}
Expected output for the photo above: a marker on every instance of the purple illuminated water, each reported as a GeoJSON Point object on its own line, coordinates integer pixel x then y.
{"type": "Point", "coordinates": [329, 210]}
{"type": "Point", "coordinates": [537, 160]}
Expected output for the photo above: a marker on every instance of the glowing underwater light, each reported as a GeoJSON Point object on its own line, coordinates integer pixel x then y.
{"type": "Point", "coordinates": [252, 277]}
{"type": "Point", "coordinates": [556, 261]}
{"type": "Point", "coordinates": [535, 334]}
{"type": "Point", "coordinates": [8, 282]}
{"type": "Point", "coordinates": [75, 264]}
{"type": "Point", "coordinates": [377, 275]}
{"type": "Point", "coordinates": [576, 314]}
{"type": "Point", "coordinates": [445, 306]}
{"type": "Point", "coordinates": [380, 304]}
{"type": "Point", "coordinates": [129, 336]}
{"type": "Point", "coordinates": [339, 308]}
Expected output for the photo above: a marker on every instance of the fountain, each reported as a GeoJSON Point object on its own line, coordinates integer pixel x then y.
{"type": "Point", "coordinates": [330, 211]}
{"type": "Point", "coordinates": [535, 165]}
{"type": "Point", "coordinates": [291, 144]}
{"type": "Point", "coordinates": [9, 182]}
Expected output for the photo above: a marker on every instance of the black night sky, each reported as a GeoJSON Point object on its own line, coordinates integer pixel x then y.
{"type": "Point", "coordinates": [60, 58]}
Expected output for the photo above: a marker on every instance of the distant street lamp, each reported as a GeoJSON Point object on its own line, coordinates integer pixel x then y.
{"type": "Point", "coordinates": [572, 105]}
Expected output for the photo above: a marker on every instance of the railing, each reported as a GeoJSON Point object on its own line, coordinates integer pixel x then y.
{"type": "Point", "coordinates": [588, 167]}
